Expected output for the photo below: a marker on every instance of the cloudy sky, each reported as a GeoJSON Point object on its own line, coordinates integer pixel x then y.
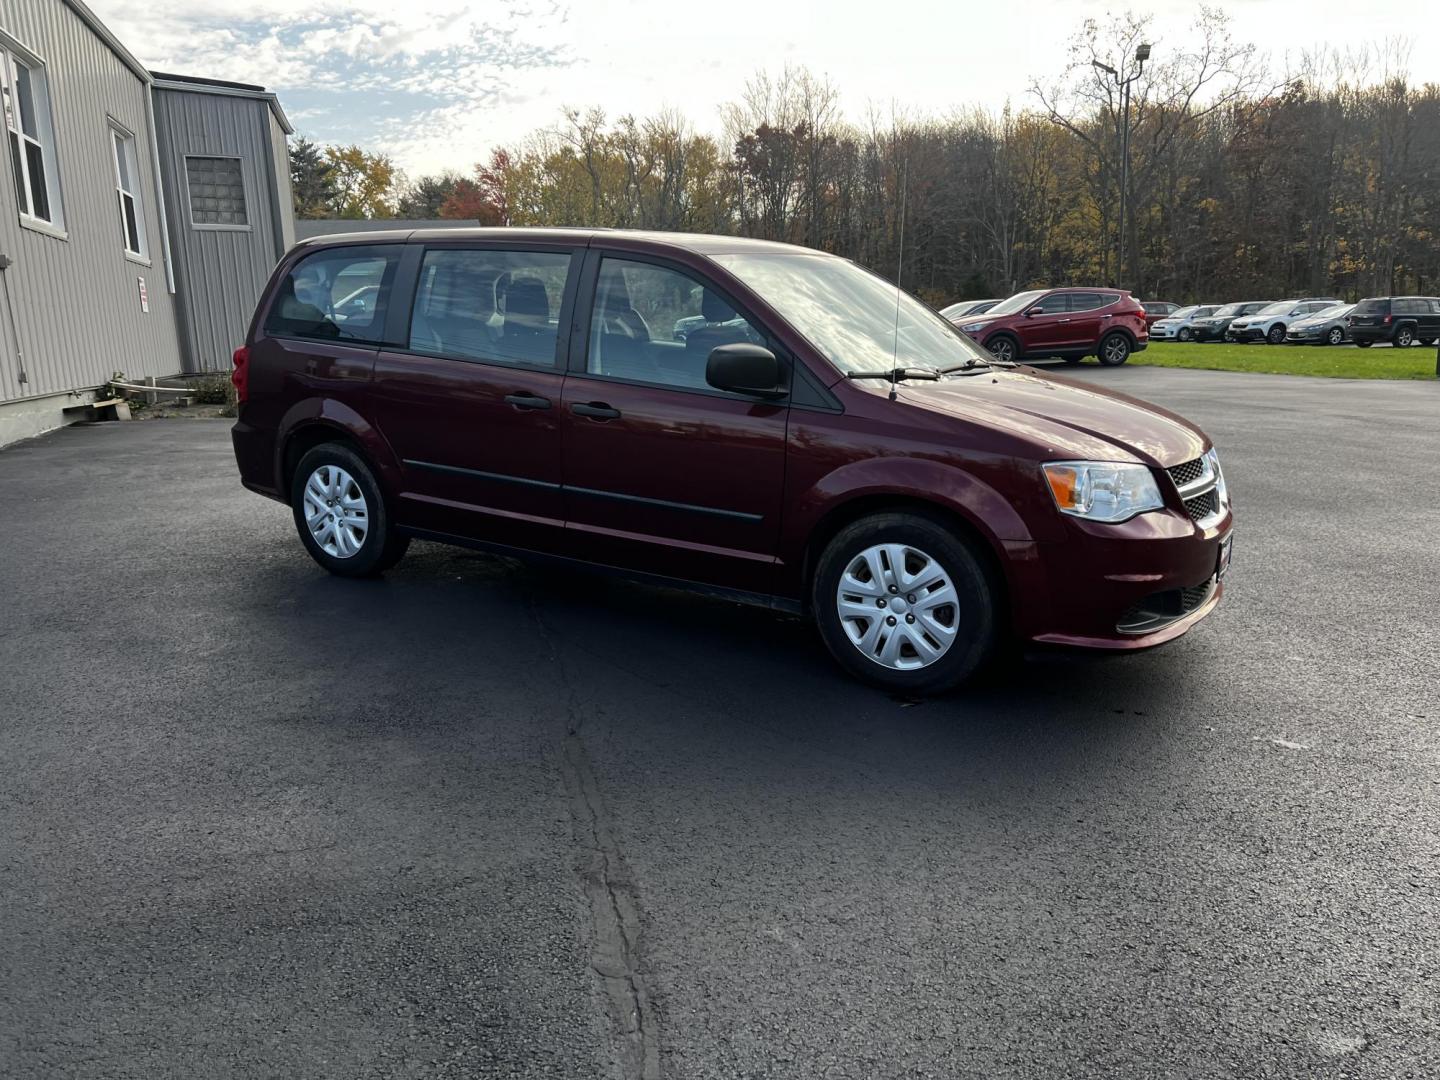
{"type": "Point", "coordinates": [436, 83]}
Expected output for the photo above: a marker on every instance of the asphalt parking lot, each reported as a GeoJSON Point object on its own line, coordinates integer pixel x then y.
{"type": "Point", "coordinates": [483, 819]}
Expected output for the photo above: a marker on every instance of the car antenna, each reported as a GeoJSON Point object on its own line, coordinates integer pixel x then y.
{"type": "Point", "coordinates": [899, 266]}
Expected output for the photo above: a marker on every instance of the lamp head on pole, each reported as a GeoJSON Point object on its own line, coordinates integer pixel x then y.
{"type": "Point", "coordinates": [1098, 66]}
{"type": "Point", "coordinates": [1142, 53]}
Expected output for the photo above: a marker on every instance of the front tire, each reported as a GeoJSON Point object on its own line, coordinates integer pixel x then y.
{"type": "Point", "coordinates": [1276, 335]}
{"type": "Point", "coordinates": [1364, 344]}
{"type": "Point", "coordinates": [1114, 349]}
{"type": "Point", "coordinates": [1004, 348]}
{"type": "Point", "coordinates": [903, 602]}
{"type": "Point", "coordinates": [341, 514]}
{"type": "Point", "coordinates": [1184, 334]}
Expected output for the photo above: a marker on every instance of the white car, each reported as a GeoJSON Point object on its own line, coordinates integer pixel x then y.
{"type": "Point", "coordinates": [1270, 324]}
{"type": "Point", "coordinates": [1176, 327]}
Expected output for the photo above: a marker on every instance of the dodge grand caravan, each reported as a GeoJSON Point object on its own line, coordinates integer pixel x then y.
{"type": "Point", "coordinates": [817, 442]}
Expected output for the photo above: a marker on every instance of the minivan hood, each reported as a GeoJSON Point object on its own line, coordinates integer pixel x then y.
{"type": "Point", "coordinates": [1064, 418]}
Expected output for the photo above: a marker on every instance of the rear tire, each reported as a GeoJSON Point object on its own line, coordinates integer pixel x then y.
{"type": "Point", "coordinates": [1336, 336]}
{"type": "Point", "coordinates": [1404, 337]}
{"type": "Point", "coordinates": [1114, 349]}
{"type": "Point", "coordinates": [341, 515]}
{"type": "Point", "coordinates": [928, 591]}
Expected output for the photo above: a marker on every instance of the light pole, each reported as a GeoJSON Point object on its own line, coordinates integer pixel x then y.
{"type": "Point", "coordinates": [1142, 53]}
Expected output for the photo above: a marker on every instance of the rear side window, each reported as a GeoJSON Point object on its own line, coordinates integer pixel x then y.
{"type": "Point", "coordinates": [1372, 307]}
{"type": "Point", "coordinates": [336, 295]}
{"type": "Point", "coordinates": [1407, 307]}
{"type": "Point", "coordinates": [483, 304]}
{"type": "Point", "coordinates": [1089, 301]}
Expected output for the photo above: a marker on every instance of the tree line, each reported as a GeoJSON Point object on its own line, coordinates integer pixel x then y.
{"type": "Point", "coordinates": [1241, 184]}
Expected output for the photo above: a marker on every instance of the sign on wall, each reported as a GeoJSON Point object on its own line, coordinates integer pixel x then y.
{"type": "Point", "coordinates": [144, 296]}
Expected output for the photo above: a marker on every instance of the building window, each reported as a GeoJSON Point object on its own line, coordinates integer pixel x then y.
{"type": "Point", "coordinates": [31, 135]}
{"type": "Point", "coordinates": [217, 192]}
{"type": "Point", "coordinates": [127, 190]}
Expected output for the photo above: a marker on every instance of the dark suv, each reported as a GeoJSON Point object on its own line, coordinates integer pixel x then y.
{"type": "Point", "coordinates": [1400, 320]}
{"type": "Point", "coordinates": [818, 442]}
{"type": "Point", "coordinates": [1069, 323]}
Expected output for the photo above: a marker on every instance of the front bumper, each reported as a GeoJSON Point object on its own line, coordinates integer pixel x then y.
{"type": "Point", "coordinates": [1245, 334]}
{"type": "Point", "coordinates": [1086, 591]}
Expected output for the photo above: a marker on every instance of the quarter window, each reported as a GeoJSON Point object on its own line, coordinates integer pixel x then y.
{"type": "Point", "coordinates": [1089, 301]}
{"type": "Point", "coordinates": [127, 191]}
{"type": "Point", "coordinates": [489, 305]}
{"type": "Point", "coordinates": [31, 135]}
{"type": "Point", "coordinates": [217, 192]}
{"type": "Point", "coordinates": [653, 324]}
{"type": "Point", "coordinates": [336, 295]}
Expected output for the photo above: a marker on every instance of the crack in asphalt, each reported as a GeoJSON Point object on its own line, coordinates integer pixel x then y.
{"type": "Point", "coordinates": [615, 919]}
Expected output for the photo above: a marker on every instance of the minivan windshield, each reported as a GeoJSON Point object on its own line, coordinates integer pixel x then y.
{"type": "Point", "coordinates": [852, 315]}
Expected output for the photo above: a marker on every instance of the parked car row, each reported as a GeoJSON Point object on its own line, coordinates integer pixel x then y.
{"type": "Point", "coordinates": [1398, 320]}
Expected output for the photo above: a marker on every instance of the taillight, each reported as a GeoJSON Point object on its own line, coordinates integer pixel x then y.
{"type": "Point", "coordinates": [1387, 320]}
{"type": "Point", "coordinates": [240, 376]}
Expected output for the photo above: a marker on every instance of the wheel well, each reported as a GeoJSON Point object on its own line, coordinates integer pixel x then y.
{"type": "Point", "coordinates": [304, 439]}
{"type": "Point", "coordinates": [830, 525]}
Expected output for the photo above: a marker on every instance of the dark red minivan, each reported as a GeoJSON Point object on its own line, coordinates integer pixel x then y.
{"type": "Point", "coordinates": [760, 421]}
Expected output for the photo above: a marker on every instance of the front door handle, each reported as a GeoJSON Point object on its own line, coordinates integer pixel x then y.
{"type": "Point", "coordinates": [526, 400]}
{"type": "Point", "coordinates": [596, 410]}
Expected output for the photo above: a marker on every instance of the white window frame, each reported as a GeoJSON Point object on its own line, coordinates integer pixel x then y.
{"type": "Point", "coordinates": [13, 55]}
{"type": "Point", "coordinates": [244, 188]}
{"type": "Point", "coordinates": [122, 140]}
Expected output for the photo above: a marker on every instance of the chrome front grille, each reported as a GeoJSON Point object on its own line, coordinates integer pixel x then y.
{"type": "Point", "coordinates": [1198, 483]}
{"type": "Point", "coordinates": [1188, 472]}
{"type": "Point", "coordinates": [1203, 506]}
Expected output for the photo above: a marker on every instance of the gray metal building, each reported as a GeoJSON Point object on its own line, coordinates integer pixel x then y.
{"type": "Point", "coordinates": [226, 173]}
{"type": "Point", "coordinates": [129, 242]}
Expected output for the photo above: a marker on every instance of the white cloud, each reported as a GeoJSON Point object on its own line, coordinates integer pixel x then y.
{"type": "Point", "coordinates": [436, 83]}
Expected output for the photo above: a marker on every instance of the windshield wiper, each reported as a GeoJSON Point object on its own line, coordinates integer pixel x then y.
{"type": "Point", "coordinates": [898, 374]}
{"type": "Point", "coordinates": [975, 364]}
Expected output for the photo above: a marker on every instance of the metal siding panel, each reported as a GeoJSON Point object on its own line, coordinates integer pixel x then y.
{"type": "Point", "coordinates": [77, 305]}
{"type": "Point", "coordinates": [221, 272]}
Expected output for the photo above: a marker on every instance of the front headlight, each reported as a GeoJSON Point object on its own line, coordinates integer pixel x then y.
{"type": "Point", "coordinates": [1102, 490]}
{"type": "Point", "coordinates": [1220, 489]}
{"type": "Point", "coordinates": [970, 328]}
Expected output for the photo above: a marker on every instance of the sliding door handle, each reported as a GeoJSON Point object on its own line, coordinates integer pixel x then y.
{"type": "Point", "coordinates": [596, 410]}
{"type": "Point", "coordinates": [524, 400]}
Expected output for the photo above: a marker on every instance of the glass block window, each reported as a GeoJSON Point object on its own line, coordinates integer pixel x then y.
{"type": "Point", "coordinates": [217, 191]}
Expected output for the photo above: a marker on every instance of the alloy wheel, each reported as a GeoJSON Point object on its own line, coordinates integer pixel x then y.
{"type": "Point", "coordinates": [1405, 337]}
{"type": "Point", "coordinates": [1336, 335]}
{"type": "Point", "coordinates": [335, 511]}
{"type": "Point", "coordinates": [1002, 349]}
{"type": "Point", "coordinates": [898, 606]}
{"type": "Point", "coordinates": [1184, 334]}
{"type": "Point", "coordinates": [1115, 349]}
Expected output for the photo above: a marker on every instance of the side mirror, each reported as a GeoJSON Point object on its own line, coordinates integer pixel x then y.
{"type": "Point", "coordinates": [1036, 310]}
{"type": "Point", "coordinates": [743, 368]}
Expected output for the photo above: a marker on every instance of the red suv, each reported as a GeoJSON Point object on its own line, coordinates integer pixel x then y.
{"type": "Point", "coordinates": [1069, 323]}
{"type": "Point", "coordinates": [814, 441]}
